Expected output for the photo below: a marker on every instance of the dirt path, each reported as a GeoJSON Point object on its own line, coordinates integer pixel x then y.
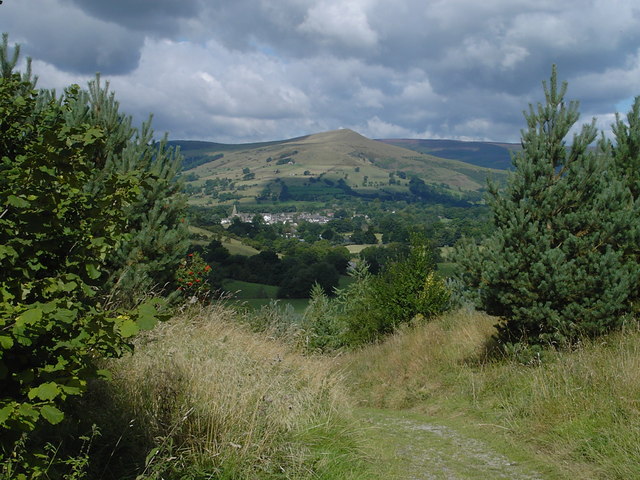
{"type": "Point", "coordinates": [409, 446]}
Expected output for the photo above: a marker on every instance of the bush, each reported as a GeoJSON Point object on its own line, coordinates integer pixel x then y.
{"type": "Point", "coordinates": [321, 325]}
{"type": "Point", "coordinates": [192, 277]}
{"type": "Point", "coordinates": [405, 291]}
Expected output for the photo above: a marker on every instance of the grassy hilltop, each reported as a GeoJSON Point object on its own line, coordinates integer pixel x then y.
{"type": "Point", "coordinates": [340, 162]}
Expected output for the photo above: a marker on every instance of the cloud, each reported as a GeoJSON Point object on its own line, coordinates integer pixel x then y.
{"type": "Point", "coordinates": [69, 39]}
{"type": "Point", "coordinates": [159, 16]}
{"type": "Point", "coordinates": [377, 128]}
{"type": "Point", "coordinates": [252, 70]}
{"type": "Point", "coordinates": [339, 22]}
{"type": "Point", "coordinates": [212, 92]}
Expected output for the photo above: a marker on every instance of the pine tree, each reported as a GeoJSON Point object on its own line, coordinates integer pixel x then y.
{"type": "Point", "coordinates": [555, 268]}
{"type": "Point", "coordinates": [626, 149]}
{"type": "Point", "coordinates": [158, 236]}
{"type": "Point", "coordinates": [625, 152]}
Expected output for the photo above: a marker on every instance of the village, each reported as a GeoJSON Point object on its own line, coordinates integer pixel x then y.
{"type": "Point", "coordinates": [284, 217]}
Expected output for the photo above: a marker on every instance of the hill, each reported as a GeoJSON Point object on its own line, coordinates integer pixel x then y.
{"type": "Point", "coordinates": [334, 164]}
{"type": "Point", "coordinates": [482, 154]}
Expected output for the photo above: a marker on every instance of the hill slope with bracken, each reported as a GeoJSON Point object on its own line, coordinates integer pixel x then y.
{"type": "Point", "coordinates": [334, 163]}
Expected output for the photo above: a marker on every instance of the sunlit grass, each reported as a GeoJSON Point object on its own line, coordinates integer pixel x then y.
{"type": "Point", "coordinates": [578, 410]}
{"type": "Point", "coordinates": [212, 397]}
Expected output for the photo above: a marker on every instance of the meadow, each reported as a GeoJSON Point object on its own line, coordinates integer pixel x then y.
{"type": "Point", "coordinates": [571, 413]}
{"type": "Point", "coordinates": [208, 395]}
{"type": "Point", "coordinates": [202, 397]}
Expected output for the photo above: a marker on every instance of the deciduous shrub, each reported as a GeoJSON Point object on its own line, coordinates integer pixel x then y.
{"type": "Point", "coordinates": [406, 290]}
{"type": "Point", "coordinates": [56, 237]}
{"type": "Point", "coordinates": [192, 277]}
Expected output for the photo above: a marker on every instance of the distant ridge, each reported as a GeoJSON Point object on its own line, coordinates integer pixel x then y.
{"type": "Point", "coordinates": [483, 154]}
{"type": "Point", "coordinates": [494, 155]}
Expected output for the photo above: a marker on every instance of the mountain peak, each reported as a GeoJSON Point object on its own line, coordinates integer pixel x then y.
{"type": "Point", "coordinates": [341, 135]}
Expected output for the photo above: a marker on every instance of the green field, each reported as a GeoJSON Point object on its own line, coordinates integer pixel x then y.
{"type": "Point", "coordinates": [236, 247]}
{"type": "Point", "coordinates": [299, 304]}
{"type": "Point", "coordinates": [257, 295]}
{"type": "Point", "coordinates": [354, 249]}
{"type": "Point", "coordinates": [248, 290]}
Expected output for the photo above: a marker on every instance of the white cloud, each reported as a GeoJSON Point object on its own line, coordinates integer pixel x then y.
{"type": "Point", "coordinates": [340, 22]}
{"type": "Point", "coordinates": [377, 128]}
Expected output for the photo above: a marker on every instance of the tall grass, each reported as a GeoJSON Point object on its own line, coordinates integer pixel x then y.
{"type": "Point", "coordinates": [577, 410]}
{"type": "Point", "coordinates": [211, 400]}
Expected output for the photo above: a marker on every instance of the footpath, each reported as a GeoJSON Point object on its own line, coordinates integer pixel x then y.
{"type": "Point", "coordinates": [408, 446]}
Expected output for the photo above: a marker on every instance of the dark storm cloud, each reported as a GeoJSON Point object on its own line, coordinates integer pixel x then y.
{"type": "Point", "coordinates": [67, 38]}
{"type": "Point", "coordinates": [161, 16]}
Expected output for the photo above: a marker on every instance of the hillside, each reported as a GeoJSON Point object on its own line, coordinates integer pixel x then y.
{"type": "Point", "coordinates": [482, 154]}
{"type": "Point", "coordinates": [331, 164]}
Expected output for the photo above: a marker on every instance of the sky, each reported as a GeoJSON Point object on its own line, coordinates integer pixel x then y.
{"type": "Point", "coordinates": [236, 71]}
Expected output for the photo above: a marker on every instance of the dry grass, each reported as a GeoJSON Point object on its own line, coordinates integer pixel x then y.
{"type": "Point", "coordinates": [218, 399]}
{"type": "Point", "coordinates": [578, 411]}
{"type": "Point", "coordinates": [416, 361]}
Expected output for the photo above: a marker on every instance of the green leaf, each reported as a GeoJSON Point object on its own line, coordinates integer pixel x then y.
{"type": "Point", "coordinates": [29, 317]}
{"type": "Point", "coordinates": [6, 251]}
{"type": "Point", "coordinates": [52, 414]}
{"type": "Point", "coordinates": [147, 316]}
{"type": "Point", "coordinates": [128, 328]}
{"type": "Point", "coordinates": [69, 286]}
{"type": "Point", "coordinates": [5, 413]}
{"type": "Point", "coordinates": [6, 342]}
{"type": "Point", "coordinates": [65, 315]}
{"type": "Point", "coordinates": [147, 322]}
{"type": "Point", "coordinates": [27, 410]}
{"type": "Point", "coordinates": [104, 374]}
{"type": "Point", "coordinates": [92, 271]}
{"type": "Point", "coordinates": [46, 391]}
{"type": "Point", "coordinates": [71, 390]}
{"type": "Point", "coordinates": [17, 202]}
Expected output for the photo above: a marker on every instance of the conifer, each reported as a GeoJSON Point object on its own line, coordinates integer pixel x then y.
{"type": "Point", "coordinates": [555, 268]}
{"type": "Point", "coordinates": [625, 151]}
{"type": "Point", "coordinates": [158, 236]}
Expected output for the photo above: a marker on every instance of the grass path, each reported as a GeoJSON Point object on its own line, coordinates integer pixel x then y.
{"type": "Point", "coordinates": [411, 446]}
